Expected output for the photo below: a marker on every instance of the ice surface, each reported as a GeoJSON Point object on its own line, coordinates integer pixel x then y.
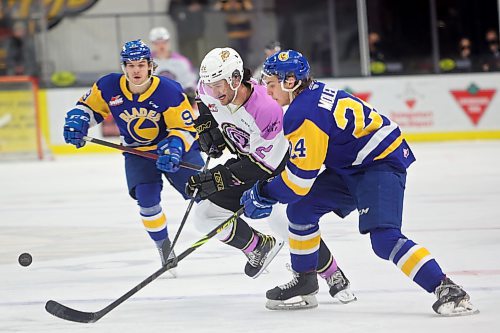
{"type": "Point", "coordinates": [89, 247]}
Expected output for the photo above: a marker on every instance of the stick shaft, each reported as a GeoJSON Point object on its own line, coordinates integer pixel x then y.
{"type": "Point", "coordinates": [137, 152]}
{"type": "Point", "coordinates": [60, 310]}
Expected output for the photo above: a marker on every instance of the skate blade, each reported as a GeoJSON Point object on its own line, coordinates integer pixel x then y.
{"type": "Point", "coordinates": [345, 296]}
{"type": "Point", "coordinates": [464, 308]}
{"type": "Point", "coordinates": [270, 256]}
{"type": "Point", "coordinates": [294, 303]}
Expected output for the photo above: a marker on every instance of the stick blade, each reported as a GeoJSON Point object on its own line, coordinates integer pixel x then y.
{"type": "Point", "coordinates": [61, 311]}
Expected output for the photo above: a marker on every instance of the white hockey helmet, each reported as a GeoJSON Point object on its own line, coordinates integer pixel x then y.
{"type": "Point", "coordinates": [221, 63]}
{"type": "Point", "coordinates": [159, 33]}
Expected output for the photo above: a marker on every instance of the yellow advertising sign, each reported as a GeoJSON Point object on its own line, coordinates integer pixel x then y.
{"type": "Point", "coordinates": [18, 130]}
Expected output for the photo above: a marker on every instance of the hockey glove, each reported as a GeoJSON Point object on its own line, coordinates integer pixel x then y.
{"type": "Point", "coordinates": [76, 127]}
{"type": "Point", "coordinates": [211, 140]}
{"type": "Point", "coordinates": [208, 182]}
{"type": "Point", "coordinates": [170, 151]}
{"type": "Point", "coordinates": [256, 206]}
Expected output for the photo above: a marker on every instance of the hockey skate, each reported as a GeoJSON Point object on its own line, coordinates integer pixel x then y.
{"type": "Point", "coordinates": [340, 287]}
{"type": "Point", "coordinates": [265, 251]}
{"type": "Point", "coordinates": [452, 300]}
{"type": "Point", "coordinates": [297, 294]}
{"type": "Point", "coordinates": [164, 250]}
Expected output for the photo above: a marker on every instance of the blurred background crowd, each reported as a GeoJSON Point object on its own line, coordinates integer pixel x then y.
{"type": "Point", "coordinates": [73, 42]}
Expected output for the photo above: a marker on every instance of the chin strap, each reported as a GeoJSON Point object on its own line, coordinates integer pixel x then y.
{"type": "Point", "coordinates": [235, 91]}
{"type": "Point", "coordinates": [233, 107]}
{"type": "Point", "coordinates": [290, 91]}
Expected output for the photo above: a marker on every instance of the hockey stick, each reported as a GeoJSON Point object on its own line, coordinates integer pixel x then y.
{"type": "Point", "coordinates": [188, 210]}
{"type": "Point", "coordinates": [59, 310]}
{"type": "Point", "coordinates": [137, 152]}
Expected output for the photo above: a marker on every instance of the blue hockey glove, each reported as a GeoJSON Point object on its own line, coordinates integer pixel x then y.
{"type": "Point", "coordinates": [256, 206]}
{"type": "Point", "coordinates": [76, 127]}
{"type": "Point", "coordinates": [170, 153]}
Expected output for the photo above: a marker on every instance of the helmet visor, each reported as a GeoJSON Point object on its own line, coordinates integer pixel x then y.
{"type": "Point", "coordinates": [216, 89]}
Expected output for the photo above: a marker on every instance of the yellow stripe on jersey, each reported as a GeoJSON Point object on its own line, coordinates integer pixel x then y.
{"type": "Point", "coordinates": [154, 84]}
{"type": "Point", "coordinates": [124, 88]}
{"type": "Point", "coordinates": [155, 223]}
{"type": "Point", "coordinates": [413, 260]}
{"type": "Point", "coordinates": [303, 245]}
{"type": "Point", "coordinates": [185, 136]}
{"type": "Point", "coordinates": [181, 117]}
{"type": "Point", "coordinates": [155, 81]}
{"type": "Point", "coordinates": [95, 102]}
{"type": "Point", "coordinates": [392, 147]}
{"type": "Point", "coordinates": [309, 146]}
{"type": "Point", "coordinates": [298, 185]}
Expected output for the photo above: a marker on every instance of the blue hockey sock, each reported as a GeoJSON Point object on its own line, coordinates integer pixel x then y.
{"type": "Point", "coordinates": [412, 259]}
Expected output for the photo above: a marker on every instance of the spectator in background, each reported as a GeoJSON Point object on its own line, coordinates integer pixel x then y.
{"type": "Point", "coordinates": [460, 60]}
{"type": "Point", "coordinates": [238, 24]}
{"type": "Point", "coordinates": [491, 57]}
{"type": "Point", "coordinates": [189, 17]}
{"type": "Point", "coordinates": [172, 64]}
{"type": "Point", "coordinates": [5, 32]}
{"type": "Point", "coordinates": [381, 59]}
{"type": "Point", "coordinates": [20, 58]}
{"type": "Point", "coordinates": [5, 21]}
{"type": "Point", "coordinates": [374, 44]}
{"type": "Point", "coordinates": [464, 60]}
{"type": "Point", "coordinates": [270, 49]}
{"type": "Point", "coordinates": [377, 56]}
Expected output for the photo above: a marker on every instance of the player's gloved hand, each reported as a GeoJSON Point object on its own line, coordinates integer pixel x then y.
{"type": "Point", "coordinates": [256, 205]}
{"type": "Point", "coordinates": [170, 151]}
{"type": "Point", "coordinates": [76, 127]}
{"type": "Point", "coordinates": [210, 137]}
{"type": "Point", "coordinates": [208, 182]}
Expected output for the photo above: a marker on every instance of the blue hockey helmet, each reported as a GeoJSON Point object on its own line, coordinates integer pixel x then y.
{"type": "Point", "coordinates": [135, 50]}
{"type": "Point", "coordinates": [287, 63]}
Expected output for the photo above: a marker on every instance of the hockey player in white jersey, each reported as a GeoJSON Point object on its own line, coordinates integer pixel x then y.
{"type": "Point", "coordinates": [237, 113]}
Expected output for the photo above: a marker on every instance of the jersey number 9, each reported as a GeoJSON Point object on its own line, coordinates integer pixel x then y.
{"type": "Point", "coordinates": [187, 117]}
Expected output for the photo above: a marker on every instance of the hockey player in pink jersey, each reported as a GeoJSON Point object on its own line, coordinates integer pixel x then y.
{"type": "Point", "coordinates": [237, 113]}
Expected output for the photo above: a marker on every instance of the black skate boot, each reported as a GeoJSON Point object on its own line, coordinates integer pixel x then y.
{"type": "Point", "coordinates": [296, 294]}
{"type": "Point", "coordinates": [164, 251]}
{"type": "Point", "coordinates": [265, 251]}
{"type": "Point", "coordinates": [340, 287]}
{"type": "Point", "coordinates": [452, 300]}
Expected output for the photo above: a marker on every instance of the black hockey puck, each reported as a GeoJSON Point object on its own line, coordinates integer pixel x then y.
{"type": "Point", "coordinates": [25, 259]}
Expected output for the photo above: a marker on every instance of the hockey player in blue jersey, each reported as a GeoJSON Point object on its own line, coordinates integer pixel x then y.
{"type": "Point", "coordinates": [237, 113]}
{"type": "Point", "coordinates": [365, 159]}
{"type": "Point", "coordinates": [152, 114]}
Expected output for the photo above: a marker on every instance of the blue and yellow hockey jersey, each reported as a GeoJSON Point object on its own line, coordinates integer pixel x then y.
{"type": "Point", "coordinates": [143, 119]}
{"type": "Point", "coordinates": [333, 128]}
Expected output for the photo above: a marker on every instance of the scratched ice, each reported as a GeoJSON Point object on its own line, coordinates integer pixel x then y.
{"type": "Point", "coordinates": [89, 247]}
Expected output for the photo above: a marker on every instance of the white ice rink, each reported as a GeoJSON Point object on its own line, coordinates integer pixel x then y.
{"type": "Point", "coordinates": [89, 247]}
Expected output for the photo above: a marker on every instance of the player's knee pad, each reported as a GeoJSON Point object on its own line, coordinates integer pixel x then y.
{"type": "Point", "coordinates": [300, 218]}
{"type": "Point", "coordinates": [208, 215]}
{"type": "Point", "coordinates": [385, 241]}
{"type": "Point", "coordinates": [148, 195]}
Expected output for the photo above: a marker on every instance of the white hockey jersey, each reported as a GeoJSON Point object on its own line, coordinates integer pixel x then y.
{"type": "Point", "coordinates": [177, 68]}
{"type": "Point", "coordinates": [254, 130]}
